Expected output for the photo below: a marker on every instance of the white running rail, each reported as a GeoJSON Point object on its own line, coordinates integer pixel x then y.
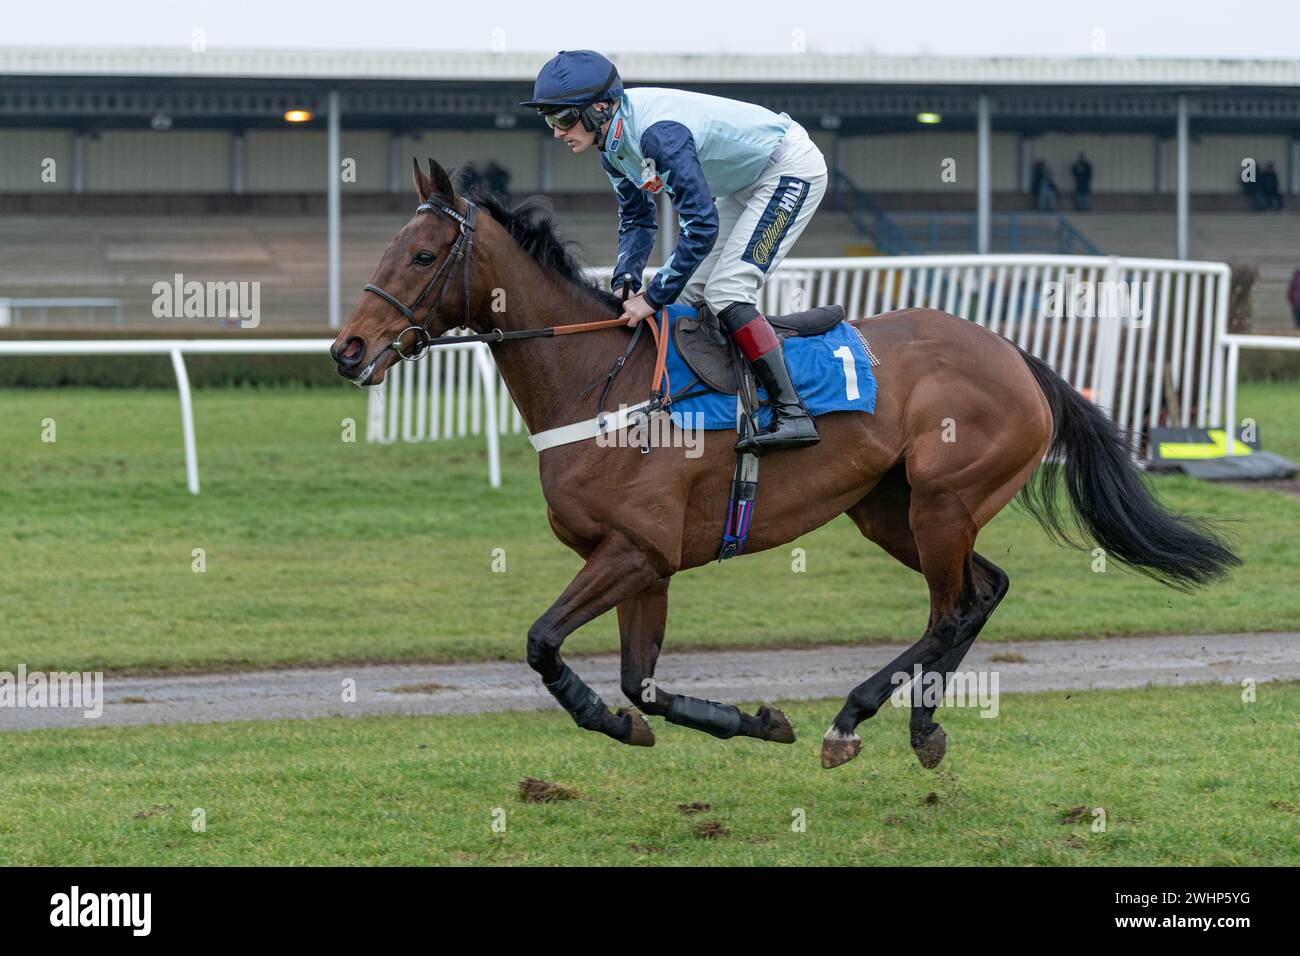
{"type": "Point", "coordinates": [476, 352]}
{"type": "Point", "coordinates": [1145, 347]}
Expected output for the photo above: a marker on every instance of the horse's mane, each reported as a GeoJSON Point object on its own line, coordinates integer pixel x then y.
{"type": "Point", "coordinates": [531, 224]}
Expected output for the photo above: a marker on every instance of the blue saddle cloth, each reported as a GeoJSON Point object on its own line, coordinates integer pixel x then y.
{"type": "Point", "coordinates": [821, 377]}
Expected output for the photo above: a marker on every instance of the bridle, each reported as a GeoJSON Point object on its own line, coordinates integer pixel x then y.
{"type": "Point", "coordinates": [461, 249]}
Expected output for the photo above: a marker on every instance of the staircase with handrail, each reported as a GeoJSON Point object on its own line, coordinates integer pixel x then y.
{"type": "Point", "coordinates": [930, 232]}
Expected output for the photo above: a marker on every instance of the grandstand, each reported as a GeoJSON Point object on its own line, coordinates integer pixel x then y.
{"type": "Point", "coordinates": [171, 161]}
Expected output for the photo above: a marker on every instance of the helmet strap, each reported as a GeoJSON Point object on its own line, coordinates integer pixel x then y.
{"type": "Point", "coordinates": [592, 119]}
{"type": "Point", "coordinates": [590, 116]}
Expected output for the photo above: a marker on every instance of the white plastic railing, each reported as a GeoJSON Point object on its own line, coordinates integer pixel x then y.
{"type": "Point", "coordinates": [442, 395]}
{"type": "Point", "coordinates": [11, 308]}
{"type": "Point", "coordinates": [1232, 344]}
{"type": "Point", "coordinates": [177, 349]}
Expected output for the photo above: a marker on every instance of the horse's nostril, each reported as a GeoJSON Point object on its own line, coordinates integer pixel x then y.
{"type": "Point", "coordinates": [349, 352]}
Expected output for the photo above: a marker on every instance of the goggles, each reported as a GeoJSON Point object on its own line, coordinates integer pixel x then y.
{"type": "Point", "coordinates": [565, 118]}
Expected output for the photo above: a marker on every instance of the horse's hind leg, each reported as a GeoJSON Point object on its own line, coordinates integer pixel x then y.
{"type": "Point", "coordinates": [988, 587]}
{"type": "Point", "coordinates": [641, 621]}
{"type": "Point", "coordinates": [964, 590]}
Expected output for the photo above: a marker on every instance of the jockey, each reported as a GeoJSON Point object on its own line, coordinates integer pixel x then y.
{"type": "Point", "coordinates": [767, 177]}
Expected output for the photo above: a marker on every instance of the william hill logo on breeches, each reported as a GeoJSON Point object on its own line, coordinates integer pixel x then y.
{"type": "Point", "coordinates": [781, 211]}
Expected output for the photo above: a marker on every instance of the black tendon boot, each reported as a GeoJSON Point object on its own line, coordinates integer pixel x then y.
{"type": "Point", "coordinates": [792, 426]}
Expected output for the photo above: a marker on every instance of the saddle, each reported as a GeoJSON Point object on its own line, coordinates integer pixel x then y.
{"type": "Point", "coordinates": [708, 351]}
{"type": "Point", "coordinates": [717, 364]}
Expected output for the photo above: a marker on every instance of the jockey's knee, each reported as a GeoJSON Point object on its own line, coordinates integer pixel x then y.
{"type": "Point", "coordinates": [735, 315]}
{"type": "Point", "coordinates": [719, 303]}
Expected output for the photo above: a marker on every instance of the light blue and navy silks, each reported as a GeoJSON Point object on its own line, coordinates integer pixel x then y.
{"type": "Point", "coordinates": [820, 376]}
{"type": "Point", "coordinates": [693, 146]}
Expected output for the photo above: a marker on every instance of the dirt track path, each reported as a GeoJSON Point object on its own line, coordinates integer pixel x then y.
{"type": "Point", "coordinates": [766, 675]}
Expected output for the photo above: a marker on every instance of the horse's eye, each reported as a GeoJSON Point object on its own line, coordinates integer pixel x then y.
{"type": "Point", "coordinates": [422, 258]}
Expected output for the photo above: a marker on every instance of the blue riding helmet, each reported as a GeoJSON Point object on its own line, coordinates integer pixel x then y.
{"type": "Point", "coordinates": [577, 79]}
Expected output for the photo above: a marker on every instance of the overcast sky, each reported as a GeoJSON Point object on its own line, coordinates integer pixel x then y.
{"type": "Point", "coordinates": [1196, 28]}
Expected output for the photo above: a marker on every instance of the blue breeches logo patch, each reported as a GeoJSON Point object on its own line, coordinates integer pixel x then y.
{"type": "Point", "coordinates": [781, 211]}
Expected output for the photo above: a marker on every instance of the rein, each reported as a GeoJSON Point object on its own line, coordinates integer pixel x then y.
{"type": "Point", "coordinates": [462, 249]}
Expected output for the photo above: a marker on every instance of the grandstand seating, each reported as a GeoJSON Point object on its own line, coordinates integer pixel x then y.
{"type": "Point", "coordinates": [1270, 240]}
{"type": "Point", "coordinates": [122, 256]}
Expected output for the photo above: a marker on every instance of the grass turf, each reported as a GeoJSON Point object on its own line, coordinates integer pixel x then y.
{"type": "Point", "coordinates": [321, 550]}
{"type": "Point", "coordinates": [1185, 776]}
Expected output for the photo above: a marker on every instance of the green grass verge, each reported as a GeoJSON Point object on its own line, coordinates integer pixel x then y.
{"type": "Point", "coordinates": [1185, 776]}
{"type": "Point", "coordinates": [321, 550]}
{"type": "Point", "coordinates": [1275, 406]}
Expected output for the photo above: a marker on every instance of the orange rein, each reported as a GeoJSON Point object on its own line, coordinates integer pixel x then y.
{"type": "Point", "coordinates": [661, 343]}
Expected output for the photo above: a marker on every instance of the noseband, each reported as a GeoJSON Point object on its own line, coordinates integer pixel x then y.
{"type": "Point", "coordinates": [461, 249]}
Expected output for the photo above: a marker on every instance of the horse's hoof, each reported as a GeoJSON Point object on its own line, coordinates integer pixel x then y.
{"type": "Point", "coordinates": [776, 726]}
{"type": "Point", "coordinates": [641, 735]}
{"type": "Point", "coordinates": [931, 748]}
{"type": "Point", "coordinates": [838, 748]}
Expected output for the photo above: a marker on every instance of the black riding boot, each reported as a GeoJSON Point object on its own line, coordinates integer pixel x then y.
{"type": "Point", "coordinates": [792, 426]}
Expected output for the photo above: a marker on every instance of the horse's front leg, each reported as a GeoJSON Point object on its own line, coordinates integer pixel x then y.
{"type": "Point", "coordinates": [615, 570]}
{"type": "Point", "coordinates": [641, 622]}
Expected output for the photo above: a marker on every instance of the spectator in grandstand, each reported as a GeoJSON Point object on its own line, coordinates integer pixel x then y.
{"type": "Point", "coordinates": [1082, 173]}
{"type": "Point", "coordinates": [1267, 193]}
{"type": "Point", "coordinates": [1042, 187]}
{"type": "Point", "coordinates": [1250, 189]}
{"type": "Point", "coordinates": [1293, 296]}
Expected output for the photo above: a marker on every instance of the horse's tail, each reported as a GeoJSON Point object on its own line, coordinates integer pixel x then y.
{"type": "Point", "coordinates": [1111, 501]}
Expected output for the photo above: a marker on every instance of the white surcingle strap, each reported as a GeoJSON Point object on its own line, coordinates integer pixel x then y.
{"type": "Point", "coordinates": [581, 431]}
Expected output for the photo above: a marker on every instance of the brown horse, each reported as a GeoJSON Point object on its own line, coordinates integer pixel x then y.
{"type": "Point", "coordinates": [963, 420]}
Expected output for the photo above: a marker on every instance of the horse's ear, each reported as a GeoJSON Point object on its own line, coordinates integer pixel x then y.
{"type": "Point", "coordinates": [441, 181]}
{"type": "Point", "coordinates": [423, 187]}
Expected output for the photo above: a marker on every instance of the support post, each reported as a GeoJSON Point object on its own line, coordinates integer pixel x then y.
{"type": "Point", "coordinates": [238, 155]}
{"type": "Point", "coordinates": [1182, 177]}
{"type": "Point", "coordinates": [1230, 386]}
{"type": "Point", "coordinates": [1109, 322]}
{"type": "Point", "coordinates": [79, 162]}
{"type": "Point", "coordinates": [187, 422]}
{"type": "Point", "coordinates": [983, 177]}
{"type": "Point", "coordinates": [1293, 166]}
{"type": "Point", "coordinates": [488, 376]}
{"type": "Point", "coordinates": [334, 205]}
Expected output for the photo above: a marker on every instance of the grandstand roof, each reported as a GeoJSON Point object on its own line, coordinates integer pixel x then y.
{"type": "Point", "coordinates": [94, 88]}
{"type": "Point", "coordinates": [652, 68]}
